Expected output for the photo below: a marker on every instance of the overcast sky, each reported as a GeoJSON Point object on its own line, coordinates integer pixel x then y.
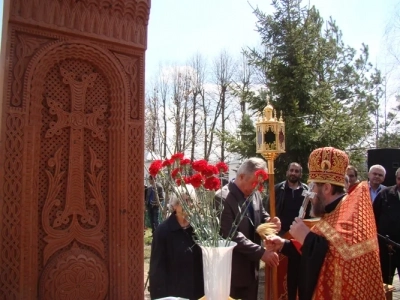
{"type": "Point", "coordinates": [180, 28]}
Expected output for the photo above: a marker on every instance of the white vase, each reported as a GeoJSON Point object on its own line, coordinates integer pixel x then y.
{"type": "Point", "coordinates": [217, 266]}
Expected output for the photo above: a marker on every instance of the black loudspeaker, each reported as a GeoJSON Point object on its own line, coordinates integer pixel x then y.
{"type": "Point", "coordinates": [389, 159]}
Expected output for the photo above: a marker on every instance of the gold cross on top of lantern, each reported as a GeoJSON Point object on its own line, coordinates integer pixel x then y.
{"type": "Point", "coordinates": [270, 132]}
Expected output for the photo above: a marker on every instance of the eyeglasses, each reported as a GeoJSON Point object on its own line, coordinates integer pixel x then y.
{"type": "Point", "coordinates": [351, 175]}
{"type": "Point", "coordinates": [294, 170]}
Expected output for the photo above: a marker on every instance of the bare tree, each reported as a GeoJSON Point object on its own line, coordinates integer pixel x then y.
{"type": "Point", "coordinates": [163, 94]}
{"type": "Point", "coordinates": [180, 108]}
{"type": "Point", "coordinates": [224, 68]}
{"type": "Point", "coordinates": [198, 66]}
{"type": "Point", "coordinates": [242, 85]}
{"type": "Point", "coordinates": [392, 34]}
{"type": "Point", "coordinates": [151, 121]}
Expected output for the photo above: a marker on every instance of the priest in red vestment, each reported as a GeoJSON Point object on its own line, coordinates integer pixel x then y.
{"type": "Point", "coordinates": [338, 258]}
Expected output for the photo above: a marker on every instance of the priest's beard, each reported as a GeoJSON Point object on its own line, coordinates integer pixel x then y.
{"type": "Point", "coordinates": [318, 205]}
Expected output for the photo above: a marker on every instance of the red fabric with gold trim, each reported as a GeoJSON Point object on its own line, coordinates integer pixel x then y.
{"type": "Point", "coordinates": [327, 165]}
{"type": "Point", "coordinates": [351, 269]}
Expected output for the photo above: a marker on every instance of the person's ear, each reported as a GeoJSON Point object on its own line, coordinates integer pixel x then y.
{"type": "Point", "coordinates": [327, 188]}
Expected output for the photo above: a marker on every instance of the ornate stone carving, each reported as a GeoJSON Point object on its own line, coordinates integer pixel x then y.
{"type": "Point", "coordinates": [123, 20]}
{"type": "Point", "coordinates": [131, 67]}
{"type": "Point", "coordinates": [74, 213]}
{"type": "Point", "coordinates": [23, 51]}
{"type": "Point", "coordinates": [71, 117]}
{"type": "Point", "coordinates": [11, 207]}
{"type": "Point", "coordinates": [74, 274]}
{"type": "Point", "coordinates": [135, 218]}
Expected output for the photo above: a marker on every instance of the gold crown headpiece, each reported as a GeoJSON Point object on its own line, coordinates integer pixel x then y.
{"type": "Point", "coordinates": [328, 165]}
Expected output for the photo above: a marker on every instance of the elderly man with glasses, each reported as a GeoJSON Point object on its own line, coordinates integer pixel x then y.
{"type": "Point", "coordinates": [376, 176]}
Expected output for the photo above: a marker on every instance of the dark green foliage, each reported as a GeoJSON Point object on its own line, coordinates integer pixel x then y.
{"type": "Point", "coordinates": [243, 143]}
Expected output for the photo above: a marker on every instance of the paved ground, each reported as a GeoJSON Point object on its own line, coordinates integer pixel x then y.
{"type": "Point", "coordinates": [396, 293]}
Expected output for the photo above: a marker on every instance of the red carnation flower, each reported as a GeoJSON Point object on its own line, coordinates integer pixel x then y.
{"type": "Point", "coordinates": [177, 156]}
{"type": "Point", "coordinates": [167, 163]}
{"type": "Point", "coordinates": [196, 180]}
{"type": "Point", "coordinates": [258, 185]}
{"type": "Point", "coordinates": [155, 167]}
{"type": "Point", "coordinates": [222, 167]}
{"type": "Point", "coordinates": [212, 183]}
{"type": "Point", "coordinates": [210, 170]}
{"type": "Point", "coordinates": [179, 181]}
{"type": "Point", "coordinates": [185, 161]}
{"type": "Point", "coordinates": [199, 165]}
{"type": "Point", "coordinates": [261, 175]}
{"type": "Point", "coordinates": [175, 172]}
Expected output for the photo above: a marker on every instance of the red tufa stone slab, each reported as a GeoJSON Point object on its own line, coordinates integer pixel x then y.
{"type": "Point", "coordinates": [71, 156]}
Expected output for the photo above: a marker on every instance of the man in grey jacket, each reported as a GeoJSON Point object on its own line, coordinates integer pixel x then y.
{"type": "Point", "coordinates": [248, 251]}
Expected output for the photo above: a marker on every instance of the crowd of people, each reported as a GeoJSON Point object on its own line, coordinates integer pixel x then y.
{"type": "Point", "coordinates": [348, 254]}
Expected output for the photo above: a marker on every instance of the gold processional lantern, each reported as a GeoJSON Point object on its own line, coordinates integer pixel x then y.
{"type": "Point", "coordinates": [270, 133]}
{"type": "Point", "coordinates": [270, 142]}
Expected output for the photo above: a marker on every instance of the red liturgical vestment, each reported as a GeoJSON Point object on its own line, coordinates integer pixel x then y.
{"type": "Point", "coordinates": [351, 269]}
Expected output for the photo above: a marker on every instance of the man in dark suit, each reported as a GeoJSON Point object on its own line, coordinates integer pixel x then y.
{"type": "Point", "coordinates": [387, 216]}
{"type": "Point", "coordinates": [154, 196]}
{"type": "Point", "coordinates": [289, 197]}
{"type": "Point", "coordinates": [248, 251]}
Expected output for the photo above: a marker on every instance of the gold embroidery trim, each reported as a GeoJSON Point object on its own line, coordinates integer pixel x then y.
{"type": "Point", "coordinates": [346, 251]}
{"type": "Point", "coordinates": [337, 283]}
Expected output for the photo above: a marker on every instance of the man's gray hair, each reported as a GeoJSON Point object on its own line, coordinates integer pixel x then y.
{"type": "Point", "coordinates": [249, 166]}
{"type": "Point", "coordinates": [378, 167]}
{"type": "Point", "coordinates": [397, 172]}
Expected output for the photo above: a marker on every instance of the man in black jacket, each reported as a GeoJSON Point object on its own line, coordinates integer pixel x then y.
{"type": "Point", "coordinates": [387, 216]}
{"type": "Point", "coordinates": [289, 197]}
{"type": "Point", "coordinates": [154, 196]}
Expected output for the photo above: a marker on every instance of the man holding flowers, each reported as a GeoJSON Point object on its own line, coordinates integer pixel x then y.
{"type": "Point", "coordinates": [234, 212]}
{"type": "Point", "coordinates": [248, 252]}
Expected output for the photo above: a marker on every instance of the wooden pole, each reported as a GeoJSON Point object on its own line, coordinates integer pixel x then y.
{"type": "Point", "coordinates": [271, 274]}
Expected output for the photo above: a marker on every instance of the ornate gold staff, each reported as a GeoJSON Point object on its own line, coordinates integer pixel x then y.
{"type": "Point", "coordinates": [270, 142]}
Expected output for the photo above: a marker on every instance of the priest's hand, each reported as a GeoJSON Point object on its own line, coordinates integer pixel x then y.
{"type": "Point", "coordinates": [274, 243]}
{"type": "Point", "coordinates": [299, 230]}
{"type": "Point", "coordinates": [270, 258]}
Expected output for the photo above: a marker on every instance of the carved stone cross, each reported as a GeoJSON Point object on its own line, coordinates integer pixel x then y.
{"type": "Point", "coordinates": [75, 212]}
{"type": "Point", "coordinates": [78, 121]}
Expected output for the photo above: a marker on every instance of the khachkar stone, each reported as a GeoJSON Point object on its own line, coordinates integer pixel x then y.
{"type": "Point", "coordinates": [71, 149]}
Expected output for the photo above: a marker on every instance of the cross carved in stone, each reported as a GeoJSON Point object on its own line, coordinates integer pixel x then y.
{"type": "Point", "coordinates": [77, 120]}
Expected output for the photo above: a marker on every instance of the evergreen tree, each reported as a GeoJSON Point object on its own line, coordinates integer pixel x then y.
{"type": "Point", "coordinates": [326, 92]}
{"type": "Point", "coordinates": [243, 143]}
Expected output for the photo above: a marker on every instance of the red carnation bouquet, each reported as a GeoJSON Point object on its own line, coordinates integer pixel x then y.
{"type": "Point", "coordinates": [203, 212]}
